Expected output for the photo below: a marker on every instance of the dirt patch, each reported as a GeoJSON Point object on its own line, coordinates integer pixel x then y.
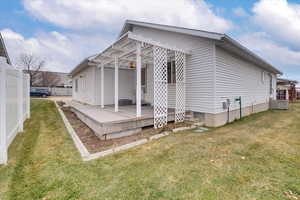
{"type": "Point", "coordinates": [95, 144]}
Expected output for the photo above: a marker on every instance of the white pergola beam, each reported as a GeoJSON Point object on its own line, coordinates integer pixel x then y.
{"type": "Point", "coordinates": [139, 38]}
{"type": "Point", "coordinates": [138, 80]}
{"type": "Point", "coordinates": [120, 56]}
{"type": "Point", "coordinates": [116, 84]}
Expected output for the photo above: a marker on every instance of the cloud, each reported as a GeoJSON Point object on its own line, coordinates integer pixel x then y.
{"type": "Point", "coordinates": [240, 12]}
{"type": "Point", "coordinates": [60, 51]}
{"type": "Point", "coordinates": [111, 14]}
{"type": "Point", "coordinates": [282, 57]}
{"type": "Point", "coordinates": [280, 19]}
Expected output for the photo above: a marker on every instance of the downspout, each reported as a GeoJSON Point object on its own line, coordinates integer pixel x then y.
{"type": "Point", "coordinates": [240, 100]}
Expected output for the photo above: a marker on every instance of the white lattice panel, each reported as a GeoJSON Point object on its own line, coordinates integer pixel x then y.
{"type": "Point", "coordinates": [160, 87]}
{"type": "Point", "coordinates": [180, 86]}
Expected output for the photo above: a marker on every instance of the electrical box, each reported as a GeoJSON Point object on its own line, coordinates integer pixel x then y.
{"type": "Point", "coordinates": [226, 104]}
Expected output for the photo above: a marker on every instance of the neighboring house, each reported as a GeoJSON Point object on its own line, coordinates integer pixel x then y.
{"type": "Point", "coordinates": [298, 92]}
{"type": "Point", "coordinates": [175, 70]}
{"type": "Point", "coordinates": [58, 83]}
{"type": "Point", "coordinates": [286, 89]}
{"type": "Point", "coordinates": [3, 51]}
{"type": "Point", "coordinates": [51, 79]}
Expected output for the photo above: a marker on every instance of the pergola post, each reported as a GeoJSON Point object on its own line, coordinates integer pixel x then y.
{"type": "Point", "coordinates": [160, 76]}
{"type": "Point", "coordinates": [180, 64]}
{"type": "Point", "coordinates": [138, 80]}
{"type": "Point", "coordinates": [116, 85]}
{"type": "Point", "coordinates": [102, 85]}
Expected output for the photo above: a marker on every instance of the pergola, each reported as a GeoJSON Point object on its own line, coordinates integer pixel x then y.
{"type": "Point", "coordinates": [134, 50]}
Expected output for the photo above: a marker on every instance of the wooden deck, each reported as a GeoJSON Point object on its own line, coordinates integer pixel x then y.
{"type": "Point", "coordinates": [107, 123]}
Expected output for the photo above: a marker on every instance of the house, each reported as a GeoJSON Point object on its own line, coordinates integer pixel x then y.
{"type": "Point", "coordinates": [51, 79]}
{"type": "Point", "coordinates": [58, 83]}
{"type": "Point", "coordinates": [298, 93]}
{"type": "Point", "coordinates": [286, 89]}
{"type": "Point", "coordinates": [3, 51]}
{"type": "Point", "coordinates": [157, 73]}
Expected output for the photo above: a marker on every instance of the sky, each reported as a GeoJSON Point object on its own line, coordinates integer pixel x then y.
{"type": "Point", "coordinates": [64, 32]}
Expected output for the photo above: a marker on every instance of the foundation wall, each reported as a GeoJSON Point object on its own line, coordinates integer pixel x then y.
{"type": "Point", "coordinates": [279, 104]}
{"type": "Point", "coordinates": [215, 120]}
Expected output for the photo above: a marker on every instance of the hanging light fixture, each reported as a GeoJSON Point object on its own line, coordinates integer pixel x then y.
{"type": "Point", "coordinates": [132, 64]}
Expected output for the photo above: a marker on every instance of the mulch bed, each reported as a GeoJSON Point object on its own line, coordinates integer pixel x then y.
{"type": "Point", "coordinates": [95, 144]}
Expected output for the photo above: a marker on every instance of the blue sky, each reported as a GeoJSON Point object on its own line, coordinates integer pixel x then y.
{"type": "Point", "coordinates": [63, 32]}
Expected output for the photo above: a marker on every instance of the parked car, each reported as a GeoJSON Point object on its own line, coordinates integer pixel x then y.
{"type": "Point", "coordinates": [34, 92]}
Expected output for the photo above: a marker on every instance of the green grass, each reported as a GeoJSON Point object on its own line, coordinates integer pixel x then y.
{"type": "Point", "coordinates": [255, 158]}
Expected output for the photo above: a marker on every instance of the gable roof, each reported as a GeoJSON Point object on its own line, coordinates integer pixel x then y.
{"type": "Point", "coordinates": [222, 40]}
{"type": "Point", "coordinates": [3, 51]}
{"type": "Point", "coordinates": [199, 33]}
{"type": "Point", "coordinates": [82, 65]}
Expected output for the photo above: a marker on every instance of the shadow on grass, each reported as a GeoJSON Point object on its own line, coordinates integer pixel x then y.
{"type": "Point", "coordinates": [24, 154]}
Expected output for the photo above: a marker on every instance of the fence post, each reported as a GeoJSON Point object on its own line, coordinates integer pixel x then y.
{"type": "Point", "coordinates": [28, 95]}
{"type": "Point", "coordinates": [3, 138]}
{"type": "Point", "coordinates": [20, 100]}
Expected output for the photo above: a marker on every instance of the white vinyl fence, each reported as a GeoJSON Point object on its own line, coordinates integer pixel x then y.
{"type": "Point", "coordinates": [14, 105]}
{"type": "Point", "coordinates": [57, 91]}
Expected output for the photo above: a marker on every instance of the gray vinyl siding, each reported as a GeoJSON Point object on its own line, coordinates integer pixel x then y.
{"type": "Point", "coordinates": [236, 77]}
{"type": "Point", "coordinates": [86, 86]}
{"type": "Point", "coordinates": [199, 69]}
{"type": "Point", "coordinates": [200, 78]}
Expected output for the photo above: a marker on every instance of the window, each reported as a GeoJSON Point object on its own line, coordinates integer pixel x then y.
{"type": "Point", "coordinates": [171, 72]}
{"type": "Point", "coordinates": [76, 85]}
{"type": "Point", "coordinates": [144, 79]}
{"type": "Point", "coordinates": [144, 76]}
{"type": "Point", "coordinates": [281, 94]}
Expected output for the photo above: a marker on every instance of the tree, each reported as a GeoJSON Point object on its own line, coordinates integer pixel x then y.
{"type": "Point", "coordinates": [50, 79]}
{"type": "Point", "coordinates": [32, 65]}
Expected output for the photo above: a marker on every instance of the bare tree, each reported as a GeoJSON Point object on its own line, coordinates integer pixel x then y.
{"type": "Point", "coordinates": [50, 79]}
{"type": "Point", "coordinates": [32, 65]}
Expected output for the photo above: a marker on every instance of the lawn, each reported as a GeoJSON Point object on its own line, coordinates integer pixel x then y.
{"type": "Point", "coordinates": [255, 158]}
